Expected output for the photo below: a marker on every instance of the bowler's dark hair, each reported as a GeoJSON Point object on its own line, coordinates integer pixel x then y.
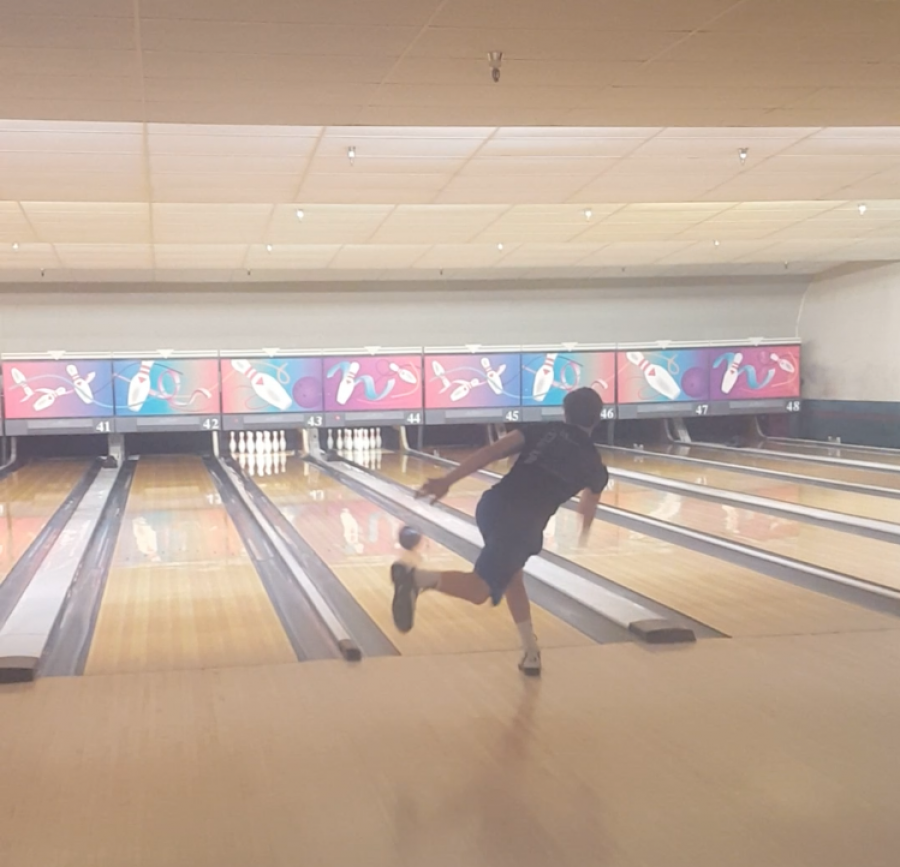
{"type": "Point", "coordinates": [582, 407]}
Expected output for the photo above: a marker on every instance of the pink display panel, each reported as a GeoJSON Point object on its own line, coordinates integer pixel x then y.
{"type": "Point", "coordinates": [547, 377]}
{"type": "Point", "coordinates": [755, 372]}
{"type": "Point", "coordinates": [372, 383]}
{"type": "Point", "coordinates": [271, 385]}
{"type": "Point", "coordinates": [167, 386]}
{"type": "Point", "coordinates": [662, 375]}
{"type": "Point", "coordinates": [478, 381]}
{"type": "Point", "coordinates": [69, 388]}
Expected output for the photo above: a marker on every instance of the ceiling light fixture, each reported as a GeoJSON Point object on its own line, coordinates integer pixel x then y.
{"type": "Point", "coordinates": [715, 243]}
{"type": "Point", "coordinates": [862, 209]}
{"type": "Point", "coordinates": [495, 58]}
{"type": "Point", "coordinates": [500, 246]}
{"type": "Point", "coordinates": [742, 154]}
{"type": "Point", "coordinates": [268, 248]}
{"type": "Point", "coordinates": [16, 246]}
{"type": "Point", "coordinates": [588, 213]}
{"type": "Point", "coordinates": [300, 214]}
{"type": "Point", "coordinates": [351, 154]}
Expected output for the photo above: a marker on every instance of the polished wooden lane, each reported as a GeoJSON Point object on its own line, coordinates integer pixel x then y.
{"type": "Point", "coordinates": [28, 499]}
{"type": "Point", "coordinates": [856, 475]}
{"type": "Point", "coordinates": [729, 598]}
{"type": "Point", "coordinates": [358, 542]}
{"type": "Point", "coordinates": [797, 493]}
{"type": "Point", "coordinates": [182, 591]}
{"type": "Point", "coordinates": [778, 751]}
{"type": "Point", "coordinates": [825, 450]}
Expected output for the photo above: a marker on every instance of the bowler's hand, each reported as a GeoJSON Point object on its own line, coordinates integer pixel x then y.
{"type": "Point", "coordinates": [433, 489]}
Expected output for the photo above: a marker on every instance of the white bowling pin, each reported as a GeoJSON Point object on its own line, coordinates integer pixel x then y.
{"type": "Point", "coordinates": [259, 442]}
{"type": "Point", "coordinates": [406, 375]}
{"type": "Point", "coordinates": [242, 443]}
{"type": "Point", "coordinates": [139, 387]}
{"type": "Point", "coordinates": [330, 440]}
{"type": "Point", "coordinates": [267, 442]}
{"type": "Point", "coordinates": [47, 398]}
{"type": "Point", "coordinates": [266, 387]}
{"type": "Point", "coordinates": [493, 376]}
{"type": "Point", "coordinates": [439, 372]}
{"type": "Point", "coordinates": [657, 377]}
{"type": "Point", "coordinates": [348, 383]}
{"type": "Point", "coordinates": [20, 379]}
{"type": "Point", "coordinates": [283, 442]}
{"type": "Point", "coordinates": [372, 443]}
{"type": "Point", "coordinates": [82, 384]}
{"type": "Point", "coordinates": [365, 439]}
{"type": "Point", "coordinates": [378, 438]}
{"type": "Point", "coordinates": [339, 442]}
{"type": "Point", "coordinates": [783, 363]}
{"type": "Point", "coordinates": [543, 379]}
{"type": "Point", "coordinates": [232, 444]}
{"type": "Point", "coordinates": [731, 373]}
{"type": "Point", "coordinates": [463, 387]}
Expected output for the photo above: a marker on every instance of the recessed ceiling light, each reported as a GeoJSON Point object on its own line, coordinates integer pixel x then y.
{"type": "Point", "coordinates": [716, 243]}
{"type": "Point", "coordinates": [16, 246]}
{"type": "Point", "coordinates": [500, 246]}
{"type": "Point", "coordinates": [268, 248]}
{"type": "Point", "coordinates": [351, 154]}
{"type": "Point", "coordinates": [588, 213]}
{"type": "Point", "coordinates": [300, 214]}
{"type": "Point", "coordinates": [862, 210]}
{"type": "Point", "coordinates": [742, 154]}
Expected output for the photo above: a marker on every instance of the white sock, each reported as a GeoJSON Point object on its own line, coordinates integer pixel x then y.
{"type": "Point", "coordinates": [426, 579]}
{"type": "Point", "coordinates": [526, 634]}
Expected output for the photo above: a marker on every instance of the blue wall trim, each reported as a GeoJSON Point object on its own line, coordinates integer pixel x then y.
{"type": "Point", "coordinates": [871, 423]}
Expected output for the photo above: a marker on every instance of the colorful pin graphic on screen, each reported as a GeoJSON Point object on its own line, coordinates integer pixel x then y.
{"type": "Point", "coordinates": [380, 382]}
{"type": "Point", "coordinates": [548, 377]}
{"type": "Point", "coordinates": [58, 389]}
{"type": "Point", "coordinates": [263, 385]}
{"type": "Point", "coordinates": [756, 372]}
{"type": "Point", "coordinates": [475, 381]}
{"type": "Point", "coordinates": [651, 376]}
{"type": "Point", "coordinates": [171, 386]}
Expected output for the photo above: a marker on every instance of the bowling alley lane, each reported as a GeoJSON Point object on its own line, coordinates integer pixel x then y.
{"type": "Point", "coordinates": [824, 450]}
{"type": "Point", "coordinates": [357, 540]}
{"type": "Point", "coordinates": [729, 598]}
{"type": "Point", "coordinates": [736, 457]}
{"type": "Point", "coordinates": [797, 493]}
{"type": "Point", "coordinates": [182, 591]}
{"type": "Point", "coordinates": [28, 499]}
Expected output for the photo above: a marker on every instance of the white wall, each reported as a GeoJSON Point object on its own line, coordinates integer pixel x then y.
{"type": "Point", "coordinates": [850, 328]}
{"type": "Point", "coordinates": [406, 314]}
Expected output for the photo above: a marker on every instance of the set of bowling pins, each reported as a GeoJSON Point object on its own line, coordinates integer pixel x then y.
{"type": "Point", "coordinates": [360, 443]}
{"type": "Point", "coordinates": [261, 453]}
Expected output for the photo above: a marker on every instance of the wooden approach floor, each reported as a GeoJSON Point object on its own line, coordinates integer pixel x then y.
{"type": "Point", "coordinates": [750, 752]}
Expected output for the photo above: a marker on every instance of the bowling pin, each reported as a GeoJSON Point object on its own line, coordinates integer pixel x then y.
{"type": "Point", "coordinates": [47, 398]}
{"type": "Point", "coordinates": [731, 373]}
{"type": "Point", "coordinates": [20, 379]}
{"type": "Point", "coordinates": [348, 383]}
{"type": "Point", "coordinates": [441, 374]}
{"type": "Point", "coordinates": [340, 440]}
{"type": "Point", "coordinates": [283, 442]}
{"type": "Point", "coordinates": [330, 440]}
{"type": "Point", "coordinates": [365, 439]}
{"type": "Point", "coordinates": [266, 387]}
{"type": "Point", "coordinates": [372, 444]}
{"type": "Point", "coordinates": [139, 387]}
{"type": "Point", "coordinates": [378, 438]}
{"type": "Point", "coordinates": [783, 363]}
{"type": "Point", "coordinates": [242, 444]}
{"type": "Point", "coordinates": [251, 443]}
{"type": "Point", "coordinates": [232, 444]}
{"type": "Point", "coordinates": [463, 387]}
{"type": "Point", "coordinates": [406, 375]}
{"type": "Point", "coordinates": [259, 442]}
{"type": "Point", "coordinates": [657, 377]}
{"type": "Point", "coordinates": [82, 385]}
{"type": "Point", "coordinates": [493, 376]}
{"type": "Point", "coordinates": [543, 379]}
{"type": "Point", "coordinates": [267, 442]}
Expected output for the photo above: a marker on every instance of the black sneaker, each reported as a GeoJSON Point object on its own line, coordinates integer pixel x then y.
{"type": "Point", "coordinates": [405, 593]}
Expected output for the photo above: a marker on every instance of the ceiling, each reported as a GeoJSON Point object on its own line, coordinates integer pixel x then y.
{"type": "Point", "coordinates": [176, 139]}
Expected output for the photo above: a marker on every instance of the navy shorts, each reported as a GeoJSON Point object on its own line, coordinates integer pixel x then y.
{"type": "Point", "coordinates": [510, 538]}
